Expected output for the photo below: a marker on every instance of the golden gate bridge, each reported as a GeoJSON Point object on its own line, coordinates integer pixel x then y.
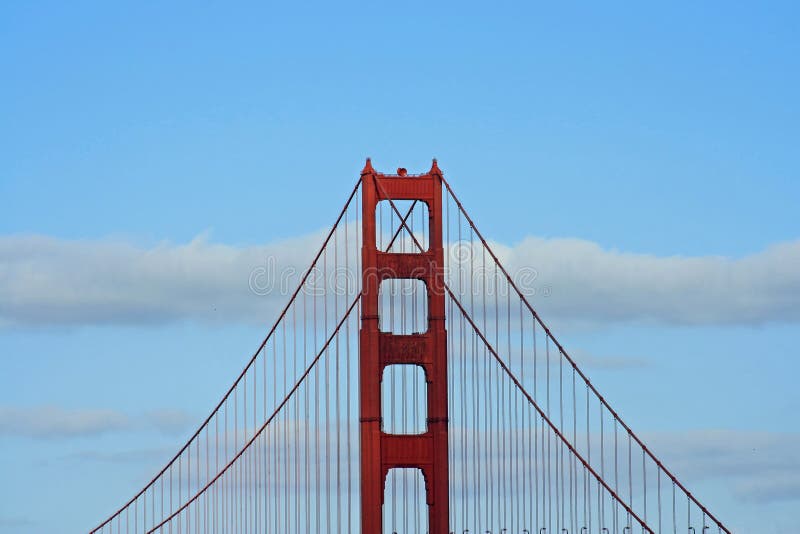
{"type": "Point", "coordinates": [409, 386]}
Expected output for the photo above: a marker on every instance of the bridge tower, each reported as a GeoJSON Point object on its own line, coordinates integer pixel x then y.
{"type": "Point", "coordinates": [380, 451]}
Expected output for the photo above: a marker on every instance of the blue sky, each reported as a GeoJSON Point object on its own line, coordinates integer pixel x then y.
{"type": "Point", "coordinates": [668, 132]}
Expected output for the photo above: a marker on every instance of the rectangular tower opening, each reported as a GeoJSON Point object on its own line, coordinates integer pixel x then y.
{"type": "Point", "coordinates": [403, 306]}
{"type": "Point", "coordinates": [405, 509]}
{"type": "Point", "coordinates": [404, 400]}
{"type": "Point", "coordinates": [392, 236]}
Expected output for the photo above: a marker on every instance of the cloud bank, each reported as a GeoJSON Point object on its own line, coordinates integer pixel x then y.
{"type": "Point", "coordinates": [47, 281]}
{"type": "Point", "coordinates": [590, 283]}
{"type": "Point", "coordinates": [50, 422]}
{"type": "Point", "coordinates": [759, 467]}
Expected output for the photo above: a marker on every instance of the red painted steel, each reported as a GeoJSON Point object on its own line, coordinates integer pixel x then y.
{"type": "Point", "coordinates": [380, 451]}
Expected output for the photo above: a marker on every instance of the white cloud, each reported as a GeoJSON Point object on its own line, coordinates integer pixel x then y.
{"type": "Point", "coordinates": [136, 456]}
{"type": "Point", "coordinates": [758, 466]}
{"type": "Point", "coordinates": [589, 360]}
{"type": "Point", "coordinates": [50, 422]}
{"type": "Point", "coordinates": [587, 282]}
{"type": "Point", "coordinates": [169, 421]}
{"type": "Point", "coordinates": [49, 281]}
{"type": "Point", "coordinates": [16, 522]}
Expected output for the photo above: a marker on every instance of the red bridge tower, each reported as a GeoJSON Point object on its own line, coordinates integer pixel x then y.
{"type": "Point", "coordinates": [381, 451]}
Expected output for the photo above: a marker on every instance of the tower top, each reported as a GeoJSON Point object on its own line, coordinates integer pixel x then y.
{"type": "Point", "coordinates": [367, 167]}
{"type": "Point", "coordinates": [401, 171]}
